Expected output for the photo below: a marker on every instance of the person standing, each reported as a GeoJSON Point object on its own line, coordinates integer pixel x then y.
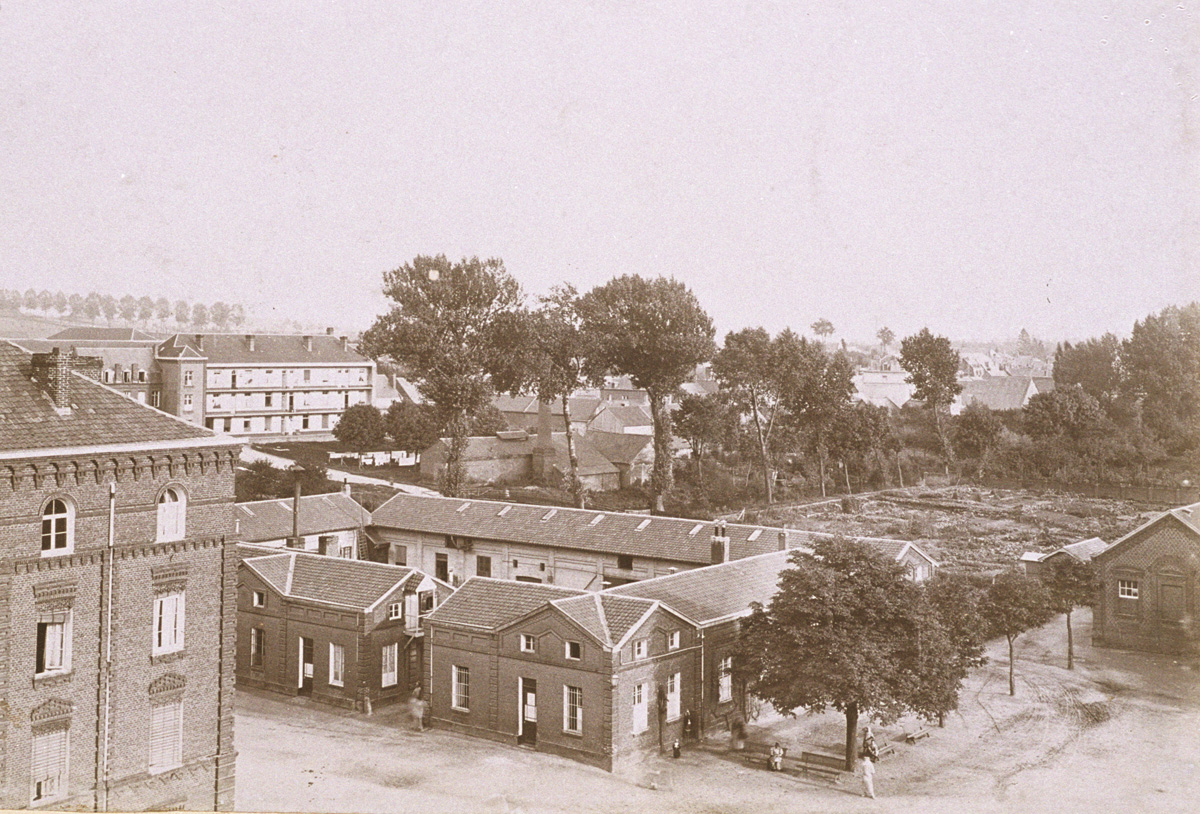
{"type": "Point", "coordinates": [416, 709]}
{"type": "Point", "coordinates": [870, 754]}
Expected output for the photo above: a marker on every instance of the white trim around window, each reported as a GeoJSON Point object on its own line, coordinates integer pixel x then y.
{"type": "Point", "coordinates": [49, 766]}
{"type": "Point", "coordinates": [573, 710]}
{"type": "Point", "coordinates": [460, 688]}
{"type": "Point", "coordinates": [528, 643]}
{"type": "Point", "coordinates": [337, 665]}
{"type": "Point", "coordinates": [169, 622]}
{"type": "Point", "coordinates": [389, 657]}
{"type": "Point", "coordinates": [166, 736]}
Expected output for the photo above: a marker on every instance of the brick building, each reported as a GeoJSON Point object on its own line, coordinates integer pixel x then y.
{"type": "Point", "coordinates": [117, 592]}
{"type": "Point", "coordinates": [332, 524]}
{"type": "Point", "coordinates": [339, 631]}
{"type": "Point", "coordinates": [455, 538]}
{"type": "Point", "coordinates": [1149, 589]}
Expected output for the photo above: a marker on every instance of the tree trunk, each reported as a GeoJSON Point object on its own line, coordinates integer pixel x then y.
{"type": "Point", "coordinates": [1070, 644]}
{"type": "Point", "coordinates": [899, 470]}
{"type": "Point", "coordinates": [821, 460]}
{"type": "Point", "coordinates": [698, 451]}
{"type": "Point", "coordinates": [576, 483]}
{"type": "Point", "coordinates": [851, 735]}
{"type": "Point", "coordinates": [1012, 686]}
{"type": "Point", "coordinates": [452, 484]}
{"type": "Point", "coordinates": [947, 450]}
{"type": "Point", "coordinates": [661, 476]}
{"type": "Point", "coordinates": [768, 485]}
{"type": "Point", "coordinates": [846, 469]}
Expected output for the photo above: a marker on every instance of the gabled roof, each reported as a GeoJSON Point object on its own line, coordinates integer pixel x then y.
{"type": "Point", "coordinates": [716, 592]}
{"type": "Point", "coordinates": [1085, 550]}
{"type": "Point", "coordinates": [261, 520]}
{"type": "Point", "coordinates": [100, 416]}
{"type": "Point", "coordinates": [998, 392]}
{"type": "Point", "coordinates": [509, 444]}
{"type": "Point", "coordinates": [356, 584]}
{"type": "Point", "coordinates": [582, 407]}
{"type": "Point", "coordinates": [1187, 516]}
{"type": "Point", "coordinates": [629, 415]}
{"type": "Point", "coordinates": [102, 334]}
{"type": "Point", "coordinates": [269, 349]}
{"type": "Point", "coordinates": [619, 447]}
{"type": "Point", "coordinates": [664, 538]}
{"type": "Point", "coordinates": [607, 617]}
{"type": "Point", "coordinates": [489, 604]}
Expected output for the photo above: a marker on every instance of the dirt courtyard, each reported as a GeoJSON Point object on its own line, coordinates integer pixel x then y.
{"type": "Point", "coordinates": [1120, 733]}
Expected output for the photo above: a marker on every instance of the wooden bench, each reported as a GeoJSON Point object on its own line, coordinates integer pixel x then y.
{"type": "Point", "coordinates": [884, 748]}
{"type": "Point", "coordinates": [920, 734]}
{"type": "Point", "coordinates": [829, 765]}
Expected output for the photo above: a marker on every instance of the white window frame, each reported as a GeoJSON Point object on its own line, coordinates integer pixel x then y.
{"type": "Point", "coordinates": [673, 640]}
{"type": "Point", "coordinates": [167, 633]}
{"type": "Point", "coordinates": [258, 648]}
{"type": "Point", "coordinates": [567, 650]}
{"type": "Point", "coordinates": [460, 688]}
{"type": "Point", "coordinates": [528, 643]}
{"type": "Point", "coordinates": [337, 665]}
{"type": "Point", "coordinates": [166, 737]}
{"type": "Point", "coordinates": [641, 709]}
{"type": "Point", "coordinates": [258, 599]}
{"type": "Point", "coordinates": [725, 680]}
{"type": "Point", "coordinates": [172, 515]}
{"type": "Point", "coordinates": [187, 378]}
{"type": "Point", "coordinates": [396, 610]}
{"type": "Point", "coordinates": [62, 526]}
{"type": "Point", "coordinates": [640, 649]}
{"type": "Point", "coordinates": [673, 696]}
{"type": "Point", "coordinates": [389, 653]}
{"type": "Point", "coordinates": [52, 764]}
{"type": "Point", "coordinates": [56, 648]}
{"type": "Point", "coordinates": [188, 406]}
{"type": "Point", "coordinates": [1128, 589]}
{"type": "Point", "coordinates": [572, 701]}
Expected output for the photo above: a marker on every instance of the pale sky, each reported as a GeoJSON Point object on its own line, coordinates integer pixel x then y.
{"type": "Point", "coordinates": [977, 167]}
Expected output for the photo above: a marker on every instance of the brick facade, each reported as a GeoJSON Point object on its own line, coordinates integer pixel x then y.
{"type": "Point", "coordinates": [1160, 563]}
{"type": "Point", "coordinates": [202, 565]}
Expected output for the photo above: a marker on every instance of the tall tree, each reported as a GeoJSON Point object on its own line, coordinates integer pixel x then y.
{"type": "Point", "coordinates": [956, 602]}
{"type": "Point", "coordinates": [1013, 604]}
{"type": "Point", "coordinates": [847, 629]}
{"type": "Point", "coordinates": [183, 312]}
{"type": "Point", "coordinates": [219, 314]}
{"type": "Point", "coordinates": [1161, 362]}
{"type": "Point", "coordinates": [705, 421]}
{"type": "Point", "coordinates": [237, 315]}
{"type": "Point", "coordinates": [45, 300]}
{"type": "Point", "coordinates": [1065, 411]}
{"type": "Point", "coordinates": [752, 370]}
{"type": "Point", "coordinates": [145, 309]}
{"type": "Point", "coordinates": [857, 430]}
{"type": "Point", "coordinates": [655, 332]}
{"type": "Point", "coordinates": [200, 315]}
{"type": "Point", "coordinates": [442, 330]}
{"type": "Point", "coordinates": [976, 432]}
{"type": "Point", "coordinates": [30, 300]}
{"type": "Point", "coordinates": [816, 390]}
{"type": "Point", "coordinates": [128, 307]}
{"type": "Point", "coordinates": [1093, 365]}
{"type": "Point", "coordinates": [61, 303]}
{"type": "Point", "coordinates": [932, 367]}
{"type": "Point", "coordinates": [886, 337]}
{"type": "Point", "coordinates": [162, 310]}
{"type": "Point", "coordinates": [361, 427]}
{"type": "Point", "coordinates": [547, 352]}
{"type": "Point", "coordinates": [75, 303]}
{"type": "Point", "coordinates": [1072, 584]}
{"type": "Point", "coordinates": [413, 427]}
{"type": "Point", "coordinates": [108, 304]}
{"type": "Point", "coordinates": [822, 328]}
{"type": "Point", "coordinates": [92, 306]}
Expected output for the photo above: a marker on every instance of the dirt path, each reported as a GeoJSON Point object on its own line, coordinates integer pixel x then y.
{"type": "Point", "coordinates": [1117, 734]}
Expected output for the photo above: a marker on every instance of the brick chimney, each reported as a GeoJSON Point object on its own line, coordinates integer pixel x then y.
{"type": "Point", "coordinates": [53, 372]}
{"type": "Point", "coordinates": [250, 341]}
{"type": "Point", "coordinates": [783, 539]}
{"type": "Point", "coordinates": [329, 331]}
{"type": "Point", "coordinates": [345, 343]}
{"type": "Point", "coordinates": [200, 342]}
{"type": "Point", "coordinates": [308, 343]}
{"type": "Point", "coordinates": [543, 447]}
{"type": "Point", "coordinates": [720, 543]}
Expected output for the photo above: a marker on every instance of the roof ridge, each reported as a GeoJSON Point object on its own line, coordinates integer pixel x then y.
{"type": "Point", "coordinates": [603, 619]}
{"type": "Point", "coordinates": [655, 605]}
{"type": "Point", "coordinates": [287, 590]}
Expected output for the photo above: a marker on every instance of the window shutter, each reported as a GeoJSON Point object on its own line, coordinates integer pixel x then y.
{"type": "Point", "coordinates": [49, 763]}
{"type": "Point", "coordinates": [166, 736]}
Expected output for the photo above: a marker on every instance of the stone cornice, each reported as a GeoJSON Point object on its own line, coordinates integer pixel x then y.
{"type": "Point", "coordinates": [39, 469]}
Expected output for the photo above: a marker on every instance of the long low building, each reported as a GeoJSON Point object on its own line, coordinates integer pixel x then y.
{"type": "Point", "coordinates": [457, 538]}
{"type": "Point", "coordinates": [332, 524]}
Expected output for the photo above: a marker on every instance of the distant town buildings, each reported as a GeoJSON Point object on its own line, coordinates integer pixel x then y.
{"type": "Point", "coordinates": [117, 597]}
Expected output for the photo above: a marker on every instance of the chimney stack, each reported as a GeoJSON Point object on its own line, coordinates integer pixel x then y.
{"type": "Point", "coordinates": [250, 340]}
{"type": "Point", "coordinates": [783, 539]}
{"type": "Point", "coordinates": [345, 344]}
{"type": "Point", "coordinates": [53, 372]}
{"type": "Point", "coordinates": [295, 542]}
{"type": "Point", "coordinates": [329, 331]}
{"type": "Point", "coordinates": [720, 543]}
{"type": "Point", "coordinates": [308, 343]}
{"type": "Point", "coordinates": [200, 342]}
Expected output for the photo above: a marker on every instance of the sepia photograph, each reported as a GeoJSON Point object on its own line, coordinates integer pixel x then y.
{"type": "Point", "coordinates": [600, 406]}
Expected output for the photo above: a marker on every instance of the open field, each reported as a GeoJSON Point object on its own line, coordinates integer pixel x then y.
{"type": "Point", "coordinates": [1119, 733]}
{"type": "Point", "coordinates": [972, 528]}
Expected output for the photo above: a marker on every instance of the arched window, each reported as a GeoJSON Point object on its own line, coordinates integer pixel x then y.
{"type": "Point", "coordinates": [58, 527]}
{"type": "Point", "coordinates": [172, 511]}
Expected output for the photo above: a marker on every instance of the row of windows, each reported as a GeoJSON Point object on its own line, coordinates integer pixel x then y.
{"type": "Point", "coordinates": [54, 634]}
{"type": "Point", "coordinates": [109, 376]}
{"type": "Point", "coordinates": [51, 752]}
{"type": "Point", "coordinates": [388, 658]}
{"type": "Point", "coordinates": [572, 650]}
{"type": "Point", "coordinates": [246, 377]}
{"type": "Point", "coordinates": [58, 522]}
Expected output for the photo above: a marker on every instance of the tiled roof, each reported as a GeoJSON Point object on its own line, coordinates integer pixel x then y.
{"type": "Point", "coordinates": [663, 538]}
{"type": "Point", "coordinates": [608, 618]}
{"type": "Point", "coordinates": [619, 447]}
{"type": "Point", "coordinates": [102, 334]}
{"type": "Point", "coordinates": [997, 392]}
{"type": "Point", "coordinates": [276, 349]}
{"type": "Point", "coordinates": [272, 519]}
{"type": "Point", "coordinates": [716, 592]}
{"type": "Point", "coordinates": [489, 604]}
{"type": "Point", "coordinates": [1189, 516]}
{"type": "Point", "coordinates": [506, 445]}
{"type": "Point", "coordinates": [354, 584]}
{"type": "Point", "coordinates": [582, 408]}
{"type": "Point", "coordinates": [1084, 550]}
{"type": "Point", "coordinates": [99, 416]}
{"type": "Point", "coordinates": [629, 415]}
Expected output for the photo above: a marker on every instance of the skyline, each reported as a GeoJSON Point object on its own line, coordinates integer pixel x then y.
{"type": "Point", "coordinates": [976, 171]}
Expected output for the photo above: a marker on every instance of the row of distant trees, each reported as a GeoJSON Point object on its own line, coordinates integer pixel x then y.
{"type": "Point", "coordinates": [131, 310]}
{"type": "Point", "coordinates": [1119, 408]}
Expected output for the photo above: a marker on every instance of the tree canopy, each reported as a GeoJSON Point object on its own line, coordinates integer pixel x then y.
{"type": "Point", "coordinates": [1013, 604]}
{"type": "Point", "coordinates": [361, 427]}
{"type": "Point", "coordinates": [847, 629]}
{"type": "Point", "coordinates": [932, 367]}
{"type": "Point", "coordinates": [654, 332]}
{"type": "Point", "coordinates": [442, 330]}
{"type": "Point", "coordinates": [1071, 584]}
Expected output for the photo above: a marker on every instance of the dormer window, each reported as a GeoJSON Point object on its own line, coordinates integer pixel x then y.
{"type": "Point", "coordinates": [528, 643]}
